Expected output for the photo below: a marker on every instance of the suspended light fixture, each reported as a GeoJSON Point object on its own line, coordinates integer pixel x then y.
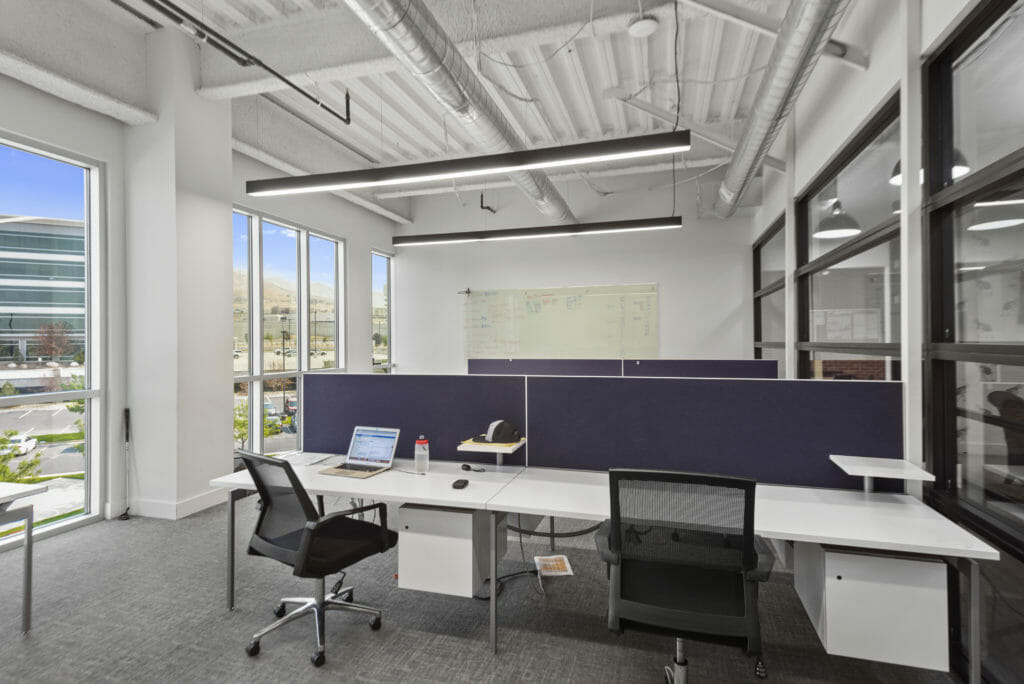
{"type": "Point", "coordinates": [996, 215]}
{"type": "Point", "coordinates": [487, 165]}
{"type": "Point", "coordinates": [837, 224]}
{"type": "Point", "coordinates": [566, 230]}
{"type": "Point", "coordinates": [895, 207]}
{"type": "Point", "coordinates": [960, 169]}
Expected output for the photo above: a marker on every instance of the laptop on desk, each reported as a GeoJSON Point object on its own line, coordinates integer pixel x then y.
{"type": "Point", "coordinates": [371, 451]}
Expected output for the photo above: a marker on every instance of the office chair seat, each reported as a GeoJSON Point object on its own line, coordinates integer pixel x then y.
{"type": "Point", "coordinates": [291, 531]}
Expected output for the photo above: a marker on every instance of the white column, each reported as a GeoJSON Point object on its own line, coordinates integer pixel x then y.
{"type": "Point", "coordinates": [911, 253]}
{"type": "Point", "coordinates": [178, 197]}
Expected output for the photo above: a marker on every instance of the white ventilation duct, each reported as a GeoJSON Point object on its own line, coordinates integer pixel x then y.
{"type": "Point", "coordinates": [409, 30]}
{"type": "Point", "coordinates": [803, 35]}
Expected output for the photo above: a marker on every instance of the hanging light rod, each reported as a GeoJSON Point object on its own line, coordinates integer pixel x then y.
{"type": "Point", "coordinates": [491, 164]}
{"type": "Point", "coordinates": [565, 230]}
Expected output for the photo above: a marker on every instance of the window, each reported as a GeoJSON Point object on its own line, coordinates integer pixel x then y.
{"type": "Point", "coordinates": [974, 354]}
{"type": "Point", "coordinates": [380, 317]}
{"type": "Point", "coordinates": [50, 312]}
{"type": "Point", "coordinates": [294, 275]}
{"type": "Point", "coordinates": [848, 278]}
{"type": "Point", "coordinates": [770, 295]}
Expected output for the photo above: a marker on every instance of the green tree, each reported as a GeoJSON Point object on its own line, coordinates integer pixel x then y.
{"type": "Point", "coordinates": [76, 382]}
{"type": "Point", "coordinates": [242, 423]}
{"type": "Point", "coordinates": [28, 468]}
{"type": "Point", "coordinates": [8, 390]}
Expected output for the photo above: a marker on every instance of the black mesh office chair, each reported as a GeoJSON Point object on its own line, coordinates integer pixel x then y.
{"type": "Point", "coordinates": [683, 559]}
{"type": "Point", "coordinates": [290, 530]}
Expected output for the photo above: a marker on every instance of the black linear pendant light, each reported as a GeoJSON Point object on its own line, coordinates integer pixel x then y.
{"type": "Point", "coordinates": [492, 164]}
{"type": "Point", "coordinates": [566, 230]}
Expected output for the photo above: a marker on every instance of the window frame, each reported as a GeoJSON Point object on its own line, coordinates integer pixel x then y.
{"type": "Point", "coordinates": [390, 364]}
{"type": "Point", "coordinates": [762, 290]}
{"type": "Point", "coordinates": [884, 232]}
{"type": "Point", "coordinates": [257, 375]}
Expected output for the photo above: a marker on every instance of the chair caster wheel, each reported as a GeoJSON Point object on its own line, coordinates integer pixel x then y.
{"type": "Point", "coordinates": [279, 610]}
{"type": "Point", "coordinates": [317, 658]}
{"type": "Point", "coordinates": [375, 624]}
{"type": "Point", "coordinates": [348, 597]}
{"type": "Point", "coordinates": [760, 671]}
{"type": "Point", "coordinates": [252, 649]}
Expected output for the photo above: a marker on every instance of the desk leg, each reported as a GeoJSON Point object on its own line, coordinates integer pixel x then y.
{"type": "Point", "coordinates": [26, 600]}
{"type": "Point", "coordinates": [231, 548]}
{"type": "Point", "coordinates": [494, 582]}
{"type": "Point", "coordinates": [551, 526]}
{"type": "Point", "coordinates": [869, 484]}
{"type": "Point", "coordinates": [974, 645]}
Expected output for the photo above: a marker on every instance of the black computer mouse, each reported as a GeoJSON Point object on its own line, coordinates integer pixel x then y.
{"type": "Point", "coordinates": [460, 484]}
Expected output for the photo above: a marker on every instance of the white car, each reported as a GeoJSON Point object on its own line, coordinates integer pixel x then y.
{"type": "Point", "coordinates": [21, 444]}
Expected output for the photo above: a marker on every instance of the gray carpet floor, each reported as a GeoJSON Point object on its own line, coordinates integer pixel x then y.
{"type": "Point", "coordinates": [143, 600]}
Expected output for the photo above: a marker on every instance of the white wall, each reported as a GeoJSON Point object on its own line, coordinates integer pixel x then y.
{"type": "Point", "coordinates": [30, 115]}
{"type": "Point", "coordinates": [362, 231]}
{"type": "Point", "coordinates": [702, 271]}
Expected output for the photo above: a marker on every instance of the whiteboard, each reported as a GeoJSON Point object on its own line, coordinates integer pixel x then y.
{"type": "Point", "coordinates": [593, 322]}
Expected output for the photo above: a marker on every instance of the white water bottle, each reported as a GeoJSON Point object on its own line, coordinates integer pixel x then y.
{"type": "Point", "coordinates": [422, 455]}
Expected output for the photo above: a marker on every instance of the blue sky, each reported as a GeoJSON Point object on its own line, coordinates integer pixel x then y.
{"type": "Point", "coordinates": [31, 185]}
{"type": "Point", "coordinates": [279, 255]}
{"type": "Point", "coordinates": [379, 271]}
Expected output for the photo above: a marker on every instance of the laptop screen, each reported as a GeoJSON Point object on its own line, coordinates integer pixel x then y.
{"type": "Point", "coordinates": [373, 446]}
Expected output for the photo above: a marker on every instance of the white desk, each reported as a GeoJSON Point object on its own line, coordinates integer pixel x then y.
{"type": "Point", "coordinates": [500, 450]}
{"type": "Point", "coordinates": [9, 492]}
{"type": "Point", "coordinates": [869, 468]}
{"type": "Point", "coordinates": [856, 521]}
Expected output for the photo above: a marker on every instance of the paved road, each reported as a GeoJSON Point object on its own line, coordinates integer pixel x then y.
{"type": "Point", "coordinates": [39, 420]}
{"type": "Point", "coordinates": [55, 458]}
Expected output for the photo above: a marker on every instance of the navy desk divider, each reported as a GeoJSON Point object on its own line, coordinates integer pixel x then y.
{"type": "Point", "coordinates": [587, 367]}
{"type": "Point", "coordinates": [445, 408]}
{"type": "Point", "coordinates": [778, 432]}
{"type": "Point", "coordinates": [701, 368]}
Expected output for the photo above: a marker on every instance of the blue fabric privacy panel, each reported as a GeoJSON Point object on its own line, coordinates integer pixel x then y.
{"type": "Point", "coordinates": [777, 431]}
{"type": "Point", "coordinates": [696, 368]}
{"type": "Point", "coordinates": [445, 408]}
{"type": "Point", "coordinates": [588, 367]}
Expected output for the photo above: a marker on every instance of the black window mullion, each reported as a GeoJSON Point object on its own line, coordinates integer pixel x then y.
{"type": "Point", "coordinates": [872, 238]}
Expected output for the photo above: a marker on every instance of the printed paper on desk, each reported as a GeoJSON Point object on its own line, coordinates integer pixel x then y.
{"type": "Point", "coordinates": [552, 566]}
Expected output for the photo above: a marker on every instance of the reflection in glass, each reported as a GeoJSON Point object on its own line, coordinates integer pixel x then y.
{"type": "Point", "coordinates": [381, 316]}
{"type": "Point", "coordinates": [859, 198]}
{"type": "Point", "coordinates": [773, 316]}
{"type": "Point", "coordinates": [280, 298]}
{"type": "Point", "coordinates": [1002, 598]}
{"type": "Point", "coordinates": [773, 258]}
{"type": "Point", "coordinates": [46, 443]}
{"type": "Point", "coordinates": [990, 438]}
{"type": "Point", "coordinates": [988, 253]}
{"type": "Point", "coordinates": [240, 292]}
{"type": "Point", "coordinates": [858, 300]}
{"type": "Point", "coordinates": [323, 277]}
{"type": "Point", "coordinates": [837, 366]}
{"type": "Point", "coordinates": [987, 119]}
{"type": "Point", "coordinates": [280, 415]}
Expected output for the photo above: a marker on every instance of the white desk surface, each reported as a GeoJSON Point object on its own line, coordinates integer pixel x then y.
{"type": "Point", "coordinates": [432, 489]}
{"type": "Point", "coordinates": [866, 466]}
{"type": "Point", "coordinates": [554, 491]}
{"type": "Point", "coordinates": [883, 521]}
{"type": "Point", "coordinates": [9, 491]}
{"type": "Point", "coordinates": [483, 448]}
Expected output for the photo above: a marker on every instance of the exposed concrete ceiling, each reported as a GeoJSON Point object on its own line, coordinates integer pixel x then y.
{"type": "Point", "coordinates": [547, 63]}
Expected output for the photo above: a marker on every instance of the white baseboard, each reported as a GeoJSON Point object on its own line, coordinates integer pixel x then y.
{"type": "Point", "coordinates": [150, 508]}
{"type": "Point", "coordinates": [175, 510]}
{"type": "Point", "coordinates": [200, 502]}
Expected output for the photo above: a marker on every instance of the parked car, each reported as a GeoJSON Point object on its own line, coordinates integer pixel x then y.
{"type": "Point", "coordinates": [290, 406]}
{"type": "Point", "coordinates": [21, 444]}
{"type": "Point", "coordinates": [268, 407]}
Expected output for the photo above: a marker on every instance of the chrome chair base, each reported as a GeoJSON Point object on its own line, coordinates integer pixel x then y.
{"type": "Point", "coordinates": [317, 605]}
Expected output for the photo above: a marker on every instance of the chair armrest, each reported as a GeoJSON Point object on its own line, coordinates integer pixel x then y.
{"type": "Point", "coordinates": [314, 528]}
{"type": "Point", "coordinates": [601, 541]}
{"type": "Point", "coordinates": [765, 561]}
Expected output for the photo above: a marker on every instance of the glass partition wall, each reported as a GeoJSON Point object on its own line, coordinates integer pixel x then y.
{"type": "Point", "coordinates": [974, 354]}
{"type": "Point", "coordinates": [770, 295]}
{"type": "Point", "coordinates": [848, 254]}
{"type": "Point", "coordinates": [287, 322]}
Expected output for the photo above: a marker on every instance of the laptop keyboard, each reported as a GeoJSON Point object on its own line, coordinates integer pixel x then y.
{"type": "Point", "coordinates": [361, 468]}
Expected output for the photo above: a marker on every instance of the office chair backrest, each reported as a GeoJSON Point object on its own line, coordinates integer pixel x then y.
{"type": "Point", "coordinates": [687, 518]}
{"type": "Point", "coordinates": [286, 505]}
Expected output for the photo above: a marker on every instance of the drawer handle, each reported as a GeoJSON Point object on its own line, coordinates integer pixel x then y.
{"type": "Point", "coordinates": [839, 577]}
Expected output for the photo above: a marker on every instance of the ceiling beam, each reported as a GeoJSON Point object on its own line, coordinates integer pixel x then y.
{"type": "Point", "coordinates": [738, 14]}
{"type": "Point", "coordinates": [698, 131]}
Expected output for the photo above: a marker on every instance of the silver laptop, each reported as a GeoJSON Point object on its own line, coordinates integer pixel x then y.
{"type": "Point", "coordinates": [371, 451]}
